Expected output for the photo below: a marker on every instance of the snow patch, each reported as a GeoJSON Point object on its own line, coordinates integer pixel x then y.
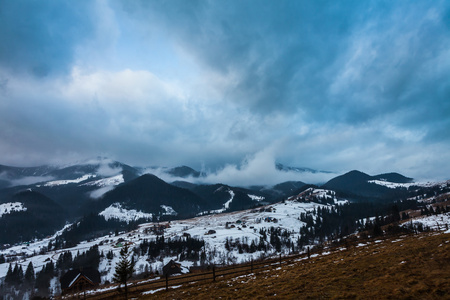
{"type": "Point", "coordinates": [256, 198]}
{"type": "Point", "coordinates": [394, 185]}
{"type": "Point", "coordinates": [106, 182]}
{"type": "Point", "coordinates": [168, 210]}
{"type": "Point", "coordinates": [116, 211]}
{"type": "Point", "coordinates": [160, 289]}
{"type": "Point", "coordinates": [435, 222]}
{"type": "Point", "coordinates": [227, 204]}
{"type": "Point", "coordinates": [63, 182]}
{"type": "Point", "coordinates": [340, 201]}
{"type": "Point", "coordinates": [7, 208]}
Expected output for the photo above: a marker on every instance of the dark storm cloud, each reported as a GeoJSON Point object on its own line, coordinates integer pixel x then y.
{"type": "Point", "coordinates": [332, 85]}
{"type": "Point", "coordinates": [350, 62]}
{"type": "Point", "coordinates": [40, 37]}
{"type": "Point", "coordinates": [277, 50]}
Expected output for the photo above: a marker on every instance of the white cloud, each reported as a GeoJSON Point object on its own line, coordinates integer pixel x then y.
{"type": "Point", "coordinates": [256, 169]}
{"type": "Point", "coordinates": [24, 180]}
{"type": "Point", "coordinates": [136, 88]}
{"type": "Point", "coordinates": [106, 171]}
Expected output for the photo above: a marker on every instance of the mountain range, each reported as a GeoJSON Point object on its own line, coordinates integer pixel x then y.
{"type": "Point", "coordinates": [37, 201]}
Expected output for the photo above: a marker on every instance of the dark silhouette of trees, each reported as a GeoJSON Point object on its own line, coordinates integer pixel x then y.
{"type": "Point", "coordinates": [88, 259]}
{"type": "Point", "coordinates": [29, 274]}
{"type": "Point", "coordinates": [43, 278]}
{"type": "Point", "coordinates": [64, 261]}
{"type": "Point", "coordinates": [124, 268]}
{"type": "Point", "coordinates": [188, 248]}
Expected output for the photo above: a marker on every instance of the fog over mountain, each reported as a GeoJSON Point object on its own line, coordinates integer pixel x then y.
{"type": "Point", "coordinates": [260, 169]}
{"type": "Point", "coordinates": [228, 87]}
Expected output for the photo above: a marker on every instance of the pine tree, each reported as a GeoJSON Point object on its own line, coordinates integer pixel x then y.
{"type": "Point", "coordinates": [20, 274]}
{"type": "Point", "coordinates": [17, 274]}
{"type": "Point", "coordinates": [377, 231]}
{"type": "Point", "coordinates": [9, 275]}
{"type": "Point", "coordinates": [395, 212]}
{"type": "Point", "coordinates": [50, 268]}
{"type": "Point", "coordinates": [29, 273]}
{"type": "Point", "coordinates": [124, 268]}
{"type": "Point", "coordinates": [42, 282]}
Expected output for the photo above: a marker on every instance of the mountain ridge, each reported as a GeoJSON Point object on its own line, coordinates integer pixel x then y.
{"type": "Point", "coordinates": [94, 186]}
{"type": "Point", "coordinates": [148, 193]}
{"type": "Point", "coordinates": [357, 185]}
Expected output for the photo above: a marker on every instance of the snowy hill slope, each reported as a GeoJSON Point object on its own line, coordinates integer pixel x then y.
{"type": "Point", "coordinates": [213, 229]}
{"type": "Point", "coordinates": [224, 238]}
{"type": "Point", "coordinates": [394, 185]}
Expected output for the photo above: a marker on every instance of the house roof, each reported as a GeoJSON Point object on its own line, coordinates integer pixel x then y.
{"type": "Point", "coordinates": [172, 267]}
{"type": "Point", "coordinates": [68, 279]}
{"type": "Point", "coordinates": [172, 263]}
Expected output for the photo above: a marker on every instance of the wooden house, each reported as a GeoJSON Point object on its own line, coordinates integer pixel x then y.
{"type": "Point", "coordinates": [77, 280]}
{"type": "Point", "coordinates": [171, 268]}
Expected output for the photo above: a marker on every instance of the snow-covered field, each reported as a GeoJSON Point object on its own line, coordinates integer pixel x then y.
{"type": "Point", "coordinates": [246, 227]}
{"type": "Point", "coordinates": [394, 185]}
{"type": "Point", "coordinates": [435, 222]}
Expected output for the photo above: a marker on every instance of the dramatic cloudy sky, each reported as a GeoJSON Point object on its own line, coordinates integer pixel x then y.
{"type": "Point", "coordinates": [239, 85]}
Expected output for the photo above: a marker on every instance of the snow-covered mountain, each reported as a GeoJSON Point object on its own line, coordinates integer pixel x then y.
{"type": "Point", "coordinates": [216, 235]}
{"type": "Point", "coordinates": [150, 194]}
{"type": "Point", "coordinates": [96, 186]}
{"type": "Point", "coordinates": [103, 185]}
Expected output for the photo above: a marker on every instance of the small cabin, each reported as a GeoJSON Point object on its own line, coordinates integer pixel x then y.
{"type": "Point", "coordinates": [171, 268]}
{"type": "Point", "coordinates": [77, 280]}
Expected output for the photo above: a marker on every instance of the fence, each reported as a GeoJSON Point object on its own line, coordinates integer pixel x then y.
{"type": "Point", "coordinates": [164, 283]}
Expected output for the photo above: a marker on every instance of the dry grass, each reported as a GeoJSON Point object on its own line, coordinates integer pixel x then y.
{"type": "Point", "coordinates": [409, 267]}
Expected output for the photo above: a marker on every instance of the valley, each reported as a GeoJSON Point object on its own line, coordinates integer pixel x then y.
{"type": "Point", "coordinates": [197, 225]}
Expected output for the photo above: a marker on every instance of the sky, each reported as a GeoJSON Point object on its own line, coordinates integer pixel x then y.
{"type": "Point", "coordinates": [228, 86]}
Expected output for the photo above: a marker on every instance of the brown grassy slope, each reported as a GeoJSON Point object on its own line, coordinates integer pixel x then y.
{"type": "Point", "coordinates": [411, 267]}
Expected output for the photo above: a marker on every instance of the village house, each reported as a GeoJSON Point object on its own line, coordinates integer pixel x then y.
{"type": "Point", "coordinates": [171, 268]}
{"type": "Point", "coordinates": [77, 280]}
